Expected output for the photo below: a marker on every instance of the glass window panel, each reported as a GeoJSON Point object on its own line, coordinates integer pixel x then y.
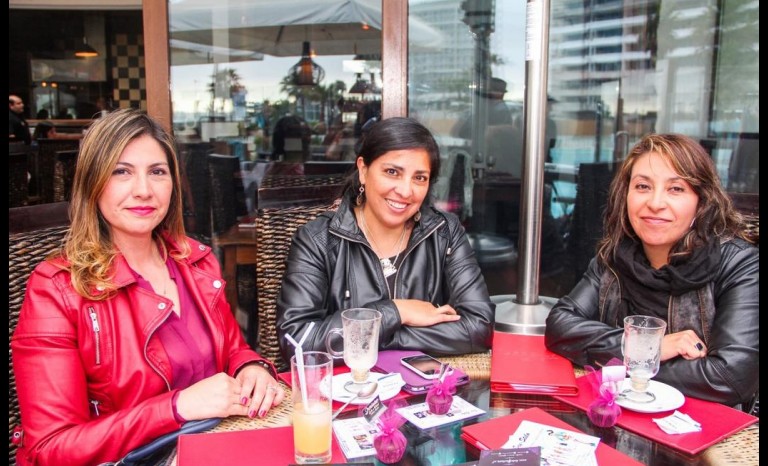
{"type": "Point", "coordinates": [284, 86]}
{"type": "Point", "coordinates": [617, 70]}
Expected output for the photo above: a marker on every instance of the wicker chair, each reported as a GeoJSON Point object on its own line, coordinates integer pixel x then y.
{"type": "Point", "coordinates": [18, 188]}
{"type": "Point", "coordinates": [197, 199]}
{"type": "Point", "coordinates": [753, 228]}
{"type": "Point", "coordinates": [226, 190]}
{"type": "Point", "coordinates": [753, 233]}
{"type": "Point", "coordinates": [64, 174]}
{"type": "Point", "coordinates": [587, 228]}
{"type": "Point", "coordinates": [292, 190]}
{"type": "Point", "coordinates": [275, 231]}
{"type": "Point", "coordinates": [25, 251]}
{"type": "Point", "coordinates": [46, 164]}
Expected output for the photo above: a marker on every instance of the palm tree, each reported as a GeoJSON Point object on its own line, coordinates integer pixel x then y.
{"type": "Point", "coordinates": [225, 83]}
{"type": "Point", "coordinates": [288, 86]}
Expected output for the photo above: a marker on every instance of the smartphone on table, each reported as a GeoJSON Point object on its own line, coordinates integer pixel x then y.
{"type": "Point", "coordinates": [391, 361]}
{"type": "Point", "coordinates": [423, 364]}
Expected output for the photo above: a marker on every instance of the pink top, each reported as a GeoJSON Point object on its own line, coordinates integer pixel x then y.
{"type": "Point", "coordinates": [186, 338]}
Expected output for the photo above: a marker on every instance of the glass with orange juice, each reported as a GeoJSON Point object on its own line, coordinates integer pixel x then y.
{"type": "Point", "coordinates": [312, 408]}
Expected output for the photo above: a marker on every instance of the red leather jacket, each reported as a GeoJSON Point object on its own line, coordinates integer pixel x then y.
{"type": "Point", "coordinates": [92, 376]}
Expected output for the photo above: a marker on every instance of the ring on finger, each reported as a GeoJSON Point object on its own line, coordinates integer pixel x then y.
{"type": "Point", "coordinates": [699, 346]}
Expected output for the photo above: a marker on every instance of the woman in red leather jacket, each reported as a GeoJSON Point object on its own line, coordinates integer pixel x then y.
{"type": "Point", "coordinates": [125, 334]}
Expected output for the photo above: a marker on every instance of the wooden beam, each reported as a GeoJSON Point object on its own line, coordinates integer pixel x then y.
{"type": "Point", "coordinates": [37, 217]}
{"type": "Point", "coordinates": [394, 58]}
{"type": "Point", "coordinates": [156, 61]}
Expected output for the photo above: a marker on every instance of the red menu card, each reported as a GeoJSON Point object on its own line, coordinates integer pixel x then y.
{"type": "Point", "coordinates": [717, 420]}
{"type": "Point", "coordinates": [271, 446]}
{"type": "Point", "coordinates": [522, 364]}
{"type": "Point", "coordinates": [493, 433]}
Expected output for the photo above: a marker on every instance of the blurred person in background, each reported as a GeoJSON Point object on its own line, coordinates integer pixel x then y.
{"type": "Point", "coordinates": [18, 128]}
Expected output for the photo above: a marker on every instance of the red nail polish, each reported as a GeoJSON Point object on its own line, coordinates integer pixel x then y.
{"type": "Point", "coordinates": [262, 412]}
{"type": "Point", "coordinates": [252, 413]}
{"type": "Point", "coordinates": [244, 400]}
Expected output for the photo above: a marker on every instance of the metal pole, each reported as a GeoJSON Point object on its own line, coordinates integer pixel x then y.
{"type": "Point", "coordinates": [527, 306]}
{"type": "Point", "coordinates": [598, 130]}
{"type": "Point", "coordinates": [479, 16]}
{"type": "Point", "coordinates": [480, 103]}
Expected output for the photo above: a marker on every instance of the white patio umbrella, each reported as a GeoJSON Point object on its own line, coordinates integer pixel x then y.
{"type": "Point", "coordinates": [279, 27]}
{"type": "Point", "coordinates": [191, 53]}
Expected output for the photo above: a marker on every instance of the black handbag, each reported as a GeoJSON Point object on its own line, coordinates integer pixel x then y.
{"type": "Point", "coordinates": [157, 451]}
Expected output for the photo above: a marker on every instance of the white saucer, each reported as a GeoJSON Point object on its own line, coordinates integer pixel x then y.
{"type": "Point", "coordinates": [387, 388]}
{"type": "Point", "coordinates": [668, 398]}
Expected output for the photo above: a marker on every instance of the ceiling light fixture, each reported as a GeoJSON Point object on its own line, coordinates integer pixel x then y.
{"type": "Point", "coordinates": [361, 86]}
{"type": "Point", "coordinates": [306, 72]}
{"type": "Point", "coordinates": [85, 50]}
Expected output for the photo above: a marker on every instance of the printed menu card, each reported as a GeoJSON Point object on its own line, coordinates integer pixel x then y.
{"type": "Point", "coordinates": [494, 434]}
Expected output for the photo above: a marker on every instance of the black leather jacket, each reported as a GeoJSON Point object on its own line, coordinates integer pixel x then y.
{"type": "Point", "coordinates": [584, 327]}
{"type": "Point", "coordinates": [332, 267]}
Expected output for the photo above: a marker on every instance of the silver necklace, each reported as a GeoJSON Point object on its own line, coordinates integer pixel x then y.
{"type": "Point", "coordinates": [165, 275]}
{"type": "Point", "coordinates": [387, 266]}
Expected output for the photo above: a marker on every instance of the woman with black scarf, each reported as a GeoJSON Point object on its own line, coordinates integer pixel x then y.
{"type": "Point", "coordinates": [674, 247]}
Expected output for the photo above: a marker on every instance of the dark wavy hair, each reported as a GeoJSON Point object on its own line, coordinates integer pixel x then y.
{"type": "Point", "coordinates": [715, 218]}
{"type": "Point", "coordinates": [396, 133]}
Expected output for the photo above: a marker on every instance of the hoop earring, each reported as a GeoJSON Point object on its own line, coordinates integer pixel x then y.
{"type": "Point", "coordinates": [417, 217]}
{"type": "Point", "coordinates": [360, 198]}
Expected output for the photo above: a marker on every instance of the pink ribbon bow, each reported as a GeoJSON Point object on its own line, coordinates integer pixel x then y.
{"type": "Point", "coordinates": [604, 411]}
{"type": "Point", "coordinates": [390, 443]}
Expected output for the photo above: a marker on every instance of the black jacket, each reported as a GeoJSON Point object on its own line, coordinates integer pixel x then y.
{"type": "Point", "coordinates": [584, 327]}
{"type": "Point", "coordinates": [18, 127]}
{"type": "Point", "coordinates": [332, 267]}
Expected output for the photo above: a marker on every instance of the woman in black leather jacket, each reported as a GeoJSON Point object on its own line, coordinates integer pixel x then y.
{"type": "Point", "coordinates": [386, 248]}
{"type": "Point", "coordinates": [674, 248]}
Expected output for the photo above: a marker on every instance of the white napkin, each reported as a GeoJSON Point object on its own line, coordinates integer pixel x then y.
{"type": "Point", "coordinates": [678, 423]}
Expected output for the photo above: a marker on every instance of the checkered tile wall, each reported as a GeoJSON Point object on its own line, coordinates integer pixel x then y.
{"type": "Point", "coordinates": [128, 72]}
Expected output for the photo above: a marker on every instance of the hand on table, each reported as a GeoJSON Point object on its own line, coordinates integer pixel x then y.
{"type": "Point", "coordinates": [252, 393]}
{"type": "Point", "coordinates": [417, 313]}
{"type": "Point", "coordinates": [686, 344]}
{"type": "Point", "coordinates": [261, 390]}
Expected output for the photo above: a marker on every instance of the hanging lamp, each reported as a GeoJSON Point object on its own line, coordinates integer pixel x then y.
{"type": "Point", "coordinates": [85, 50]}
{"type": "Point", "coordinates": [306, 72]}
{"type": "Point", "coordinates": [361, 86]}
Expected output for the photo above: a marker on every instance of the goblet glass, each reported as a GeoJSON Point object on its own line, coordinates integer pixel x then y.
{"type": "Point", "coordinates": [360, 331]}
{"type": "Point", "coordinates": [641, 347]}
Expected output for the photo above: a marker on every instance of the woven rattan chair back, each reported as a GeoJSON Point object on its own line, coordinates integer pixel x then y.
{"type": "Point", "coordinates": [195, 180]}
{"type": "Point", "coordinates": [276, 227]}
{"type": "Point", "coordinates": [64, 174]}
{"type": "Point", "coordinates": [752, 229]}
{"type": "Point", "coordinates": [224, 211]}
{"type": "Point", "coordinates": [46, 164]}
{"type": "Point", "coordinates": [18, 187]}
{"type": "Point", "coordinates": [25, 251]}
{"type": "Point", "coordinates": [591, 197]}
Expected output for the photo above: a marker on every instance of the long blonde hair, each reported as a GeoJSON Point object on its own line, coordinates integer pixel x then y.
{"type": "Point", "coordinates": [88, 246]}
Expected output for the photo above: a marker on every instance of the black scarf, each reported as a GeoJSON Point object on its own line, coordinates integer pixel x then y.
{"type": "Point", "coordinates": [646, 290]}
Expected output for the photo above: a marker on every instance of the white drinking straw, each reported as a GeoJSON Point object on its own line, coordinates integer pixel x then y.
{"type": "Point", "coordinates": [306, 333]}
{"type": "Point", "coordinates": [298, 354]}
{"type": "Point", "coordinates": [445, 369]}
